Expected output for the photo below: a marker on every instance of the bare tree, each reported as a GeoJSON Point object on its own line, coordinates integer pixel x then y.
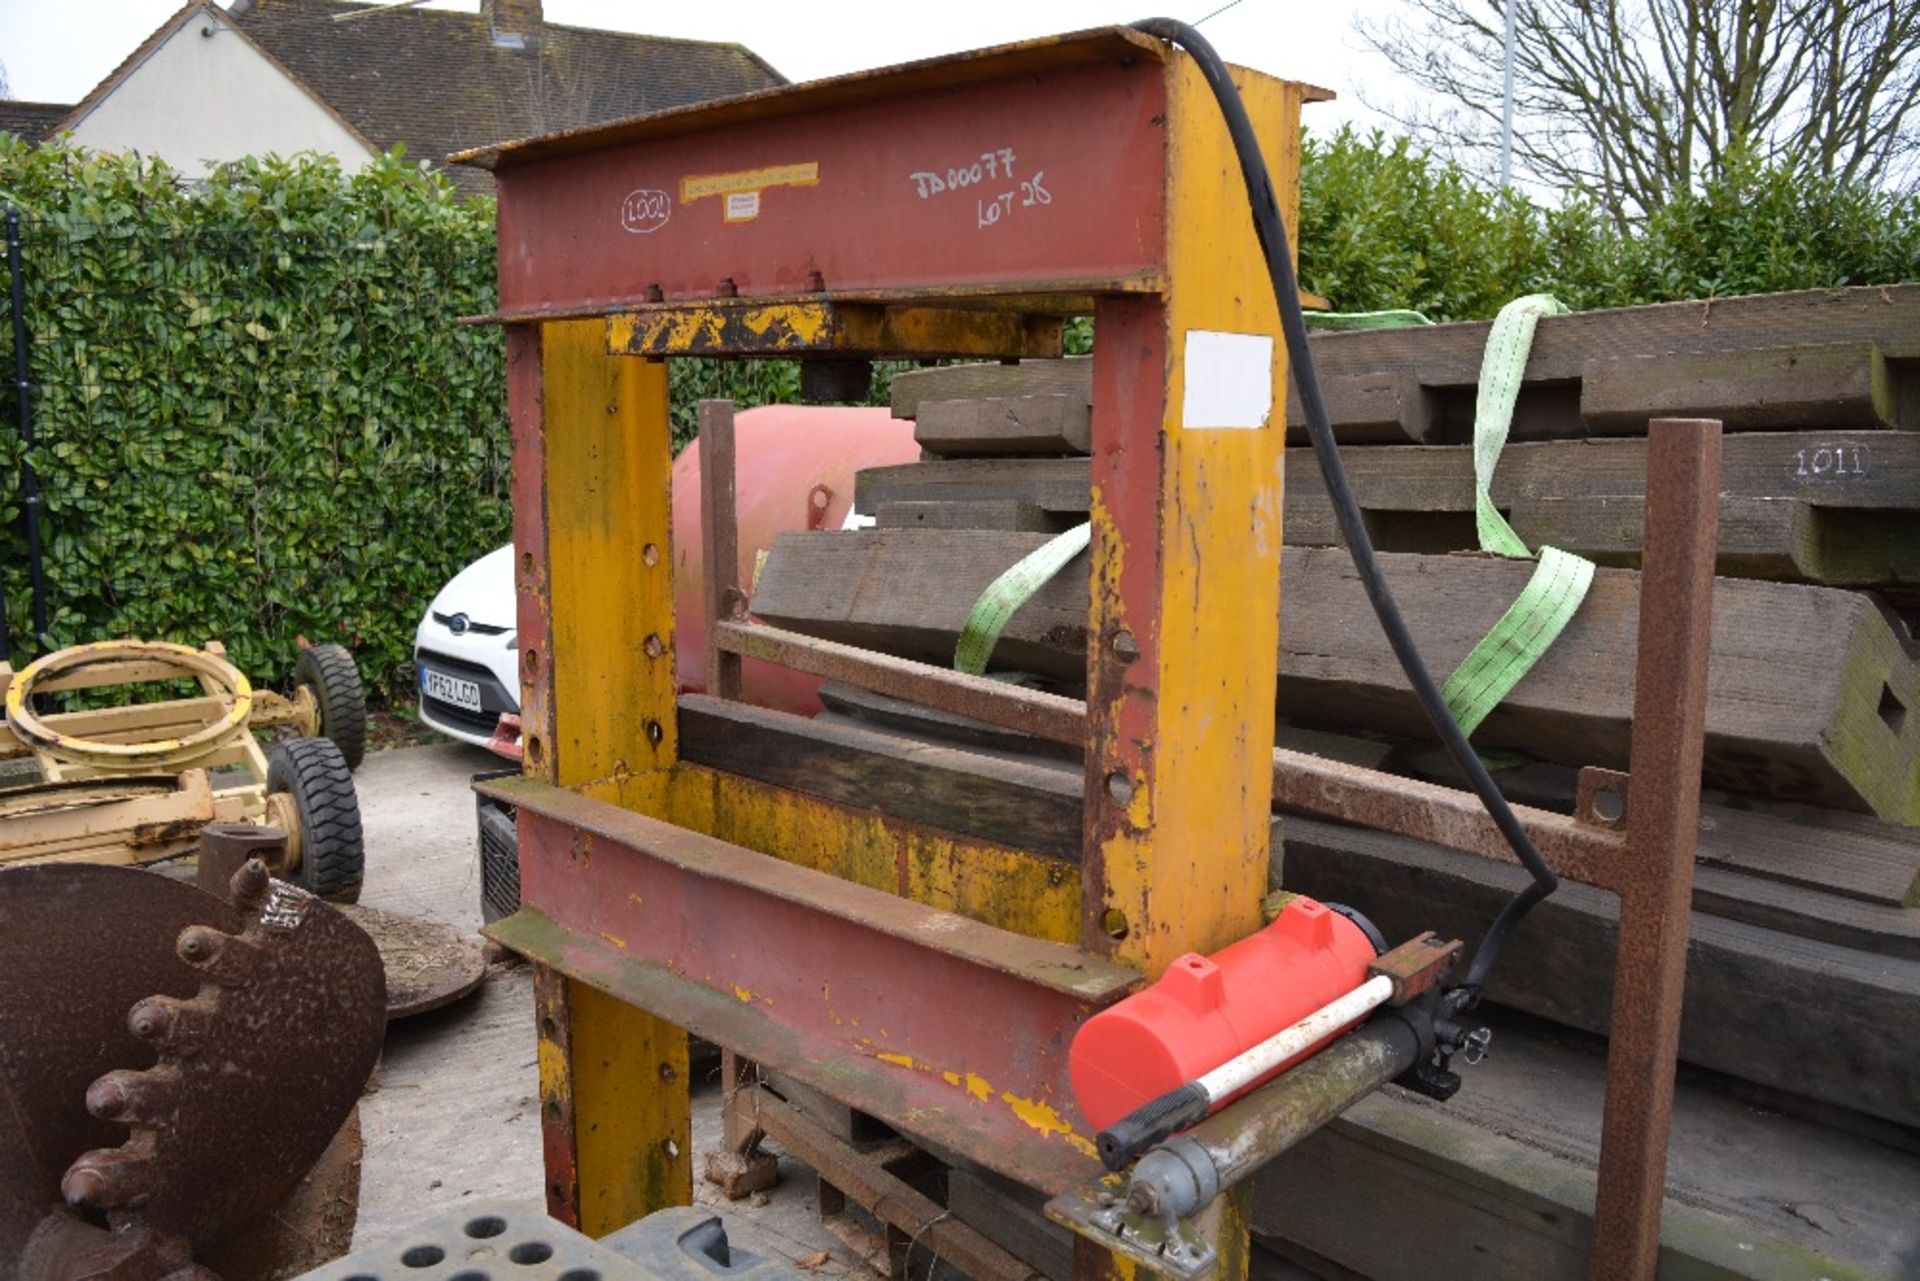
{"type": "Point", "coordinates": [1630, 101]}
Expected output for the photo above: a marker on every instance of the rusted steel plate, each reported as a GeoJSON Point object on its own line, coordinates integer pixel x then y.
{"type": "Point", "coordinates": [953, 1028]}
{"type": "Point", "coordinates": [252, 1074]}
{"type": "Point", "coordinates": [813, 326]}
{"type": "Point", "coordinates": [428, 964]}
{"type": "Point", "coordinates": [79, 946]}
{"type": "Point", "coordinates": [979, 173]}
{"type": "Point", "coordinates": [311, 1228]}
{"type": "Point", "coordinates": [563, 830]}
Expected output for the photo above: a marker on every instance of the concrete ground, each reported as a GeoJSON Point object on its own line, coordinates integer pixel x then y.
{"type": "Point", "coordinates": [454, 1116]}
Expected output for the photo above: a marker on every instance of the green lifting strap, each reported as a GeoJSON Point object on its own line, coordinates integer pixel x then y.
{"type": "Point", "coordinates": [1007, 593]}
{"type": "Point", "coordinates": [1342, 321]}
{"type": "Point", "coordinates": [1560, 582]}
{"type": "Point", "coordinates": [1524, 633]}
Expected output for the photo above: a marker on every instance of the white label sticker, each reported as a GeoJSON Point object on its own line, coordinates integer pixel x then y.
{"type": "Point", "coordinates": [742, 205]}
{"type": "Point", "coordinates": [1229, 380]}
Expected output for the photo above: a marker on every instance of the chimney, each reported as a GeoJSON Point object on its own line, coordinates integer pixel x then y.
{"type": "Point", "coordinates": [515, 24]}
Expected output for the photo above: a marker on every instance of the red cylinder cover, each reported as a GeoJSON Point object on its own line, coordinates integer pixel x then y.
{"type": "Point", "coordinates": [1205, 1010]}
{"type": "Point", "coordinates": [793, 469]}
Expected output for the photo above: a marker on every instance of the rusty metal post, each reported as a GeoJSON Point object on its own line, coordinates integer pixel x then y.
{"type": "Point", "coordinates": [1655, 882]}
{"type": "Point", "coordinates": [719, 543]}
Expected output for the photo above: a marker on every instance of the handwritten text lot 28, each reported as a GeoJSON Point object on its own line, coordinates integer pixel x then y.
{"type": "Point", "coordinates": [993, 167]}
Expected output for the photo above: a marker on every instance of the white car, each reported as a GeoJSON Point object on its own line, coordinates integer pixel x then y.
{"type": "Point", "coordinates": [795, 471]}
{"type": "Point", "coordinates": [467, 652]}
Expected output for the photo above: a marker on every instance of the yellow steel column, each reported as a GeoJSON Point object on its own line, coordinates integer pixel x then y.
{"type": "Point", "coordinates": [599, 567]}
{"type": "Point", "coordinates": [1186, 575]}
{"type": "Point", "coordinates": [1188, 534]}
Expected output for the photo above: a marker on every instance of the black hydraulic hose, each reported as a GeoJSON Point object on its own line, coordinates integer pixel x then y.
{"type": "Point", "coordinates": [1286, 291]}
{"type": "Point", "coordinates": [23, 393]}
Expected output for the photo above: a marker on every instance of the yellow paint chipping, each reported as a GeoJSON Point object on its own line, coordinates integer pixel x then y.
{"type": "Point", "coordinates": [699, 186]}
{"type": "Point", "coordinates": [1044, 1119]}
{"type": "Point", "coordinates": [898, 1060]}
{"type": "Point", "coordinates": [975, 1084]}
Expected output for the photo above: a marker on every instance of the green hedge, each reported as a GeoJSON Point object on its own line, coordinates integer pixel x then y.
{"type": "Point", "coordinates": [256, 416]}
{"type": "Point", "coordinates": [1385, 224]}
{"type": "Point", "coordinates": [258, 420]}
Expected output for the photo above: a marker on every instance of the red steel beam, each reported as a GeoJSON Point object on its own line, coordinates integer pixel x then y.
{"type": "Point", "coordinates": [1039, 173]}
{"type": "Point", "coordinates": [946, 1028]}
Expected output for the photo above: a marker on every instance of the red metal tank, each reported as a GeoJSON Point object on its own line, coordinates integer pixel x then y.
{"type": "Point", "coordinates": [794, 468]}
{"type": "Point", "coordinates": [1206, 1010]}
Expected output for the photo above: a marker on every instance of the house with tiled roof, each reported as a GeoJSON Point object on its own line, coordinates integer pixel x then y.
{"type": "Point", "coordinates": [32, 121]}
{"type": "Point", "coordinates": [212, 84]}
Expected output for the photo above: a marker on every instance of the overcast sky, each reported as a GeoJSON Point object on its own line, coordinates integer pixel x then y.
{"type": "Point", "coordinates": [56, 50]}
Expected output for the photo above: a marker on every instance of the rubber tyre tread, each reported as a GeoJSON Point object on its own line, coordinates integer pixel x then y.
{"type": "Point", "coordinates": [333, 850]}
{"type": "Point", "coordinates": [330, 672]}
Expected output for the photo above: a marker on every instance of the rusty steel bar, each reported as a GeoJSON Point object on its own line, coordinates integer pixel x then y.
{"type": "Point", "coordinates": [1655, 879]}
{"type": "Point", "coordinates": [1446, 816]}
{"type": "Point", "coordinates": [1047, 716]}
{"type": "Point", "coordinates": [719, 543]}
{"type": "Point", "coordinates": [888, 1197]}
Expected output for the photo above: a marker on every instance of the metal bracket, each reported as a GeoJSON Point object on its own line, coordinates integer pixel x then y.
{"type": "Point", "coordinates": [1416, 966]}
{"type": "Point", "coordinates": [1171, 1247]}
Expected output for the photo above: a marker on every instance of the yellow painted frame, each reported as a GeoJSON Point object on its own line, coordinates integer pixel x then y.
{"type": "Point", "coordinates": [1178, 850]}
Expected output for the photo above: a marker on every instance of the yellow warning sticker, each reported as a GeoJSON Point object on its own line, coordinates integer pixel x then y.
{"type": "Point", "coordinates": [699, 186]}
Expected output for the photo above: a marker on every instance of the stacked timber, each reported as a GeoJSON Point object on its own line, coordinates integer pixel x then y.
{"type": "Point", "coordinates": [1819, 392]}
{"type": "Point", "coordinates": [1804, 969]}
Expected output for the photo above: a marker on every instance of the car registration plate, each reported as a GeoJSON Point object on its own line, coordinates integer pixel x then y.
{"type": "Point", "coordinates": [451, 689]}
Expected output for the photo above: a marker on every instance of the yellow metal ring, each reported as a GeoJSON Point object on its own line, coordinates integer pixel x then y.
{"type": "Point", "coordinates": [166, 752]}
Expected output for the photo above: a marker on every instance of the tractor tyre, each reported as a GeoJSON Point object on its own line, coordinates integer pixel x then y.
{"type": "Point", "coordinates": [330, 672]}
{"type": "Point", "coordinates": [333, 851]}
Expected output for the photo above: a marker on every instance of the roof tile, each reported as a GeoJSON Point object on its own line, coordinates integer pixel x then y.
{"type": "Point", "coordinates": [435, 80]}
{"type": "Point", "coordinates": [33, 121]}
